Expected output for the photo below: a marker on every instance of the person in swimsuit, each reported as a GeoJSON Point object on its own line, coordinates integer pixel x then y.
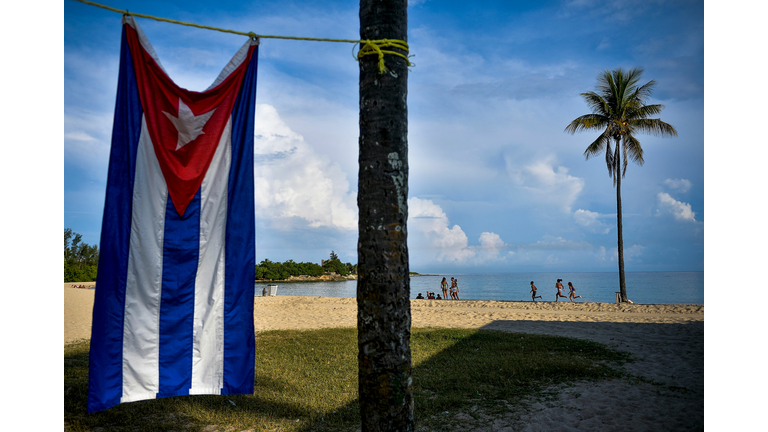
{"type": "Point", "coordinates": [455, 292]}
{"type": "Point", "coordinates": [444, 287]}
{"type": "Point", "coordinates": [559, 287]}
{"type": "Point", "coordinates": [572, 295]}
{"type": "Point", "coordinates": [533, 290]}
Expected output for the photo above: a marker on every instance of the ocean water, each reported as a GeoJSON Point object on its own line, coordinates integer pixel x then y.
{"type": "Point", "coordinates": [642, 287]}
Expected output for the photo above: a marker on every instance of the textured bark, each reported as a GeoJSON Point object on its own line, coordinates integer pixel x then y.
{"type": "Point", "coordinates": [383, 286]}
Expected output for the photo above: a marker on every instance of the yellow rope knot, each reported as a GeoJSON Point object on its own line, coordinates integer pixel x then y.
{"type": "Point", "coordinates": [374, 47]}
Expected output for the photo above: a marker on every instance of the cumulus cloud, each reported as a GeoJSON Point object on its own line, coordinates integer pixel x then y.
{"type": "Point", "coordinates": [431, 236]}
{"type": "Point", "coordinates": [590, 221]}
{"type": "Point", "coordinates": [680, 210]}
{"type": "Point", "coordinates": [549, 184]}
{"type": "Point", "coordinates": [429, 230]}
{"type": "Point", "coordinates": [293, 181]}
{"type": "Point", "coordinates": [491, 247]}
{"type": "Point", "coordinates": [491, 241]}
{"type": "Point", "coordinates": [678, 185]}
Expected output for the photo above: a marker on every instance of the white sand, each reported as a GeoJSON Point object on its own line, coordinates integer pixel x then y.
{"type": "Point", "coordinates": [667, 340]}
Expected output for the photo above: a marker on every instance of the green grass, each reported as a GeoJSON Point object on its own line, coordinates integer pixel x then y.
{"type": "Point", "coordinates": [307, 380]}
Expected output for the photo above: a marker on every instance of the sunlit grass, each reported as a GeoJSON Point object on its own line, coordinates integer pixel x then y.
{"type": "Point", "coordinates": [307, 380]}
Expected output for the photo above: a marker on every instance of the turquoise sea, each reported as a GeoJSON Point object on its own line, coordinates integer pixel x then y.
{"type": "Point", "coordinates": [642, 287]}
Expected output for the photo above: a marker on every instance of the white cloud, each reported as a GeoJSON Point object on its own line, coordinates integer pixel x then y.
{"type": "Point", "coordinates": [590, 221]}
{"type": "Point", "coordinates": [87, 138]}
{"type": "Point", "coordinates": [491, 241]}
{"type": "Point", "coordinates": [491, 247]}
{"type": "Point", "coordinates": [293, 181]}
{"type": "Point", "coordinates": [428, 230]}
{"type": "Point", "coordinates": [681, 210]}
{"type": "Point", "coordinates": [679, 185]}
{"type": "Point", "coordinates": [548, 184]}
{"type": "Point", "coordinates": [430, 235]}
{"type": "Point", "coordinates": [79, 136]}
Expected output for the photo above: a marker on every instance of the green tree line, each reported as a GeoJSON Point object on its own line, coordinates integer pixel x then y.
{"type": "Point", "coordinates": [267, 269]}
{"type": "Point", "coordinates": [80, 259]}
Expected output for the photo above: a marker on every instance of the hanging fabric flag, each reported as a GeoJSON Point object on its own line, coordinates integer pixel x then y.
{"type": "Point", "coordinates": [173, 310]}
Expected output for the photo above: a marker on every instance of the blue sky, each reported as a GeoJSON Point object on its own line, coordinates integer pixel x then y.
{"type": "Point", "coordinates": [496, 185]}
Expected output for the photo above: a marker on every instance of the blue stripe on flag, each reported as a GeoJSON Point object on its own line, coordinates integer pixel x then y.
{"type": "Point", "coordinates": [181, 247]}
{"type": "Point", "coordinates": [239, 344]}
{"type": "Point", "coordinates": [105, 363]}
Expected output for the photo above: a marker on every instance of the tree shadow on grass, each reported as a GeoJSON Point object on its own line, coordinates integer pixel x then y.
{"type": "Point", "coordinates": [307, 381]}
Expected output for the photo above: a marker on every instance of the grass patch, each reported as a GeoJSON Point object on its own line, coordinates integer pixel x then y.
{"type": "Point", "coordinates": [307, 380]}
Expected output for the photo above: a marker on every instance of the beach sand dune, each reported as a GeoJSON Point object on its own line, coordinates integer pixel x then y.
{"type": "Point", "coordinates": [666, 340]}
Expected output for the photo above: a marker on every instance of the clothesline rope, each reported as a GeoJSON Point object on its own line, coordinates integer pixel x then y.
{"type": "Point", "coordinates": [368, 47]}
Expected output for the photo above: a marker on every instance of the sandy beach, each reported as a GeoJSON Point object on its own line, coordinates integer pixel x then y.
{"type": "Point", "coordinates": [666, 340]}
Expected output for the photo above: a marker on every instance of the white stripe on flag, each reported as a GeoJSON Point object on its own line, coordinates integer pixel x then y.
{"type": "Point", "coordinates": [141, 329]}
{"type": "Point", "coordinates": [208, 333]}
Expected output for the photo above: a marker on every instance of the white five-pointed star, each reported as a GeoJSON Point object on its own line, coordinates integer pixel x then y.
{"type": "Point", "coordinates": [189, 125]}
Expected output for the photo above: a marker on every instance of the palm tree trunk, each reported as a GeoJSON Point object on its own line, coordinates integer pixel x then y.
{"type": "Point", "coordinates": [620, 228]}
{"type": "Point", "coordinates": [383, 285]}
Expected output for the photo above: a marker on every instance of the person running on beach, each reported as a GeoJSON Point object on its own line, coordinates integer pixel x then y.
{"type": "Point", "coordinates": [572, 295]}
{"type": "Point", "coordinates": [444, 287]}
{"type": "Point", "coordinates": [559, 287]}
{"type": "Point", "coordinates": [533, 290]}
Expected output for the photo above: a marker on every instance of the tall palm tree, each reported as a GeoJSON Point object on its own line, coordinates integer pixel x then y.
{"type": "Point", "coordinates": [619, 109]}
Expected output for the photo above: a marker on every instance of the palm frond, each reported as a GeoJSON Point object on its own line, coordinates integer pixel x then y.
{"type": "Point", "coordinates": [632, 77]}
{"type": "Point", "coordinates": [643, 93]}
{"type": "Point", "coordinates": [597, 145]}
{"type": "Point", "coordinates": [596, 103]}
{"type": "Point", "coordinates": [640, 111]}
{"type": "Point", "coordinates": [634, 150]}
{"type": "Point", "coordinates": [587, 122]}
{"type": "Point", "coordinates": [654, 127]}
{"type": "Point", "coordinates": [609, 158]}
{"type": "Point", "coordinates": [626, 159]}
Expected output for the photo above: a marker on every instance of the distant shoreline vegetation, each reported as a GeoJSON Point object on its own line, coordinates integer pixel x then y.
{"type": "Point", "coordinates": [290, 271]}
{"type": "Point", "coordinates": [303, 271]}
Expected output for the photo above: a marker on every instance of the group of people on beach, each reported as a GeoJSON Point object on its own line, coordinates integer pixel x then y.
{"type": "Point", "coordinates": [559, 286]}
{"type": "Point", "coordinates": [453, 289]}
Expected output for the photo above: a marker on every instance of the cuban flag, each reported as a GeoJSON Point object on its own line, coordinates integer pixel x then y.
{"type": "Point", "coordinates": [173, 310]}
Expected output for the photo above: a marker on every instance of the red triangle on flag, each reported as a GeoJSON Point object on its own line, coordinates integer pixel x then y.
{"type": "Point", "coordinates": [185, 126]}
